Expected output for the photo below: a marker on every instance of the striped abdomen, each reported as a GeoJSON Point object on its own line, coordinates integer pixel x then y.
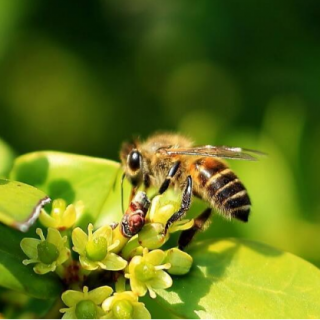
{"type": "Point", "coordinates": [217, 184]}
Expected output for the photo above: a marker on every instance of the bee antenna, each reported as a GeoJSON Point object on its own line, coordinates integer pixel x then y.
{"type": "Point", "coordinates": [114, 186]}
{"type": "Point", "coordinates": [135, 140]}
{"type": "Point", "coordinates": [122, 179]}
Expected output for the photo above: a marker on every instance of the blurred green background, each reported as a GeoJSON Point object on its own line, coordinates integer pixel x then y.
{"type": "Point", "coordinates": [83, 76]}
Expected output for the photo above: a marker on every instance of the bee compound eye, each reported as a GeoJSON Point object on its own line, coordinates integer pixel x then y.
{"type": "Point", "coordinates": [134, 160]}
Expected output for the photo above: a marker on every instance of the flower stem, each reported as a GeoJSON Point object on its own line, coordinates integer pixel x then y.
{"type": "Point", "coordinates": [117, 235]}
{"type": "Point", "coordinates": [132, 248]}
{"type": "Point", "coordinates": [121, 284]}
{"type": "Point", "coordinates": [61, 271]}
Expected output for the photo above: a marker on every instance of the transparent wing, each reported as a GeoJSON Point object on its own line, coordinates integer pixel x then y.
{"type": "Point", "coordinates": [214, 151]}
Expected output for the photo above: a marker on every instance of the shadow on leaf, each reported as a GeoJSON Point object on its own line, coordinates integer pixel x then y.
{"type": "Point", "coordinates": [33, 172]}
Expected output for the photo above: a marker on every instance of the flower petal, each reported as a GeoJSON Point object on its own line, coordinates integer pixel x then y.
{"type": "Point", "coordinates": [140, 311]}
{"type": "Point", "coordinates": [107, 304]}
{"type": "Point", "coordinates": [88, 264]}
{"type": "Point", "coordinates": [28, 261]}
{"type": "Point", "coordinates": [133, 263]}
{"type": "Point", "coordinates": [100, 312]}
{"type": "Point", "coordinates": [180, 227]}
{"type": "Point", "coordinates": [113, 262]}
{"type": "Point", "coordinates": [42, 268]}
{"type": "Point", "coordinates": [29, 247]}
{"type": "Point", "coordinates": [164, 213]}
{"type": "Point", "coordinates": [152, 235]}
{"type": "Point", "coordinates": [105, 232]}
{"type": "Point", "coordinates": [138, 287]}
{"type": "Point", "coordinates": [154, 208]}
{"type": "Point", "coordinates": [71, 297]}
{"type": "Point", "coordinates": [69, 216]}
{"type": "Point", "coordinates": [79, 239]}
{"type": "Point", "coordinates": [46, 220]}
{"type": "Point", "coordinates": [108, 315]}
{"type": "Point", "coordinates": [126, 295]}
{"type": "Point", "coordinates": [54, 236]}
{"type": "Point", "coordinates": [161, 280]}
{"type": "Point", "coordinates": [69, 314]}
{"type": "Point", "coordinates": [63, 256]}
{"type": "Point", "coordinates": [155, 257]}
{"type": "Point", "coordinates": [100, 294]}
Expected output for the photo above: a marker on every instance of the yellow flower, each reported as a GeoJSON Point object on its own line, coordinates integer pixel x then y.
{"type": "Point", "coordinates": [48, 253]}
{"type": "Point", "coordinates": [146, 273]}
{"type": "Point", "coordinates": [153, 235]}
{"type": "Point", "coordinates": [86, 304]}
{"type": "Point", "coordinates": [62, 216]}
{"type": "Point", "coordinates": [95, 249]}
{"type": "Point", "coordinates": [124, 305]}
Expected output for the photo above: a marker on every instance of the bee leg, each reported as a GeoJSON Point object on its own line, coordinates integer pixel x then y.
{"type": "Point", "coordinates": [165, 184]}
{"type": "Point", "coordinates": [185, 204]}
{"type": "Point", "coordinates": [199, 225]}
{"type": "Point", "coordinates": [146, 182]}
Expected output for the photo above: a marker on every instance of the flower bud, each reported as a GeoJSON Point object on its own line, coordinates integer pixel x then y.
{"type": "Point", "coordinates": [85, 304]}
{"type": "Point", "coordinates": [180, 261]}
{"type": "Point", "coordinates": [62, 217]}
{"type": "Point", "coordinates": [152, 236]}
{"type": "Point", "coordinates": [161, 213]}
{"type": "Point", "coordinates": [118, 237]}
{"type": "Point", "coordinates": [132, 248]}
{"type": "Point", "coordinates": [58, 207]}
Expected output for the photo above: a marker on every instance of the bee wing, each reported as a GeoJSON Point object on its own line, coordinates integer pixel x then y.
{"type": "Point", "coordinates": [213, 151]}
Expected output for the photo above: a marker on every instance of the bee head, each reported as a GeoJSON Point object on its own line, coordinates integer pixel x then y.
{"type": "Point", "coordinates": [132, 161]}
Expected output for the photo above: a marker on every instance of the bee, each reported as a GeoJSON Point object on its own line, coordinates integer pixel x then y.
{"type": "Point", "coordinates": [171, 160]}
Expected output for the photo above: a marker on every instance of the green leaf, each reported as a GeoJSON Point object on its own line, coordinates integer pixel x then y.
{"type": "Point", "coordinates": [20, 204]}
{"type": "Point", "coordinates": [243, 279]}
{"type": "Point", "coordinates": [16, 276]}
{"type": "Point", "coordinates": [73, 178]}
{"type": "Point", "coordinates": [7, 156]}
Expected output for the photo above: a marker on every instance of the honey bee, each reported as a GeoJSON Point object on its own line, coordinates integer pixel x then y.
{"type": "Point", "coordinates": [166, 160]}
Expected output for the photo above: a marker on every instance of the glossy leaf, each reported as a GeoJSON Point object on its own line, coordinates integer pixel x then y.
{"type": "Point", "coordinates": [20, 204]}
{"type": "Point", "coordinates": [244, 279]}
{"type": "Point", "coordinates": [16, 276]}
{"type": "Point", "coordinates": [71, 177]}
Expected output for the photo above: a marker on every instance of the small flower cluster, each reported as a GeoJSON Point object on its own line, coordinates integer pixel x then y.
{"type": "Point", "coordinates": [133, 266]}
